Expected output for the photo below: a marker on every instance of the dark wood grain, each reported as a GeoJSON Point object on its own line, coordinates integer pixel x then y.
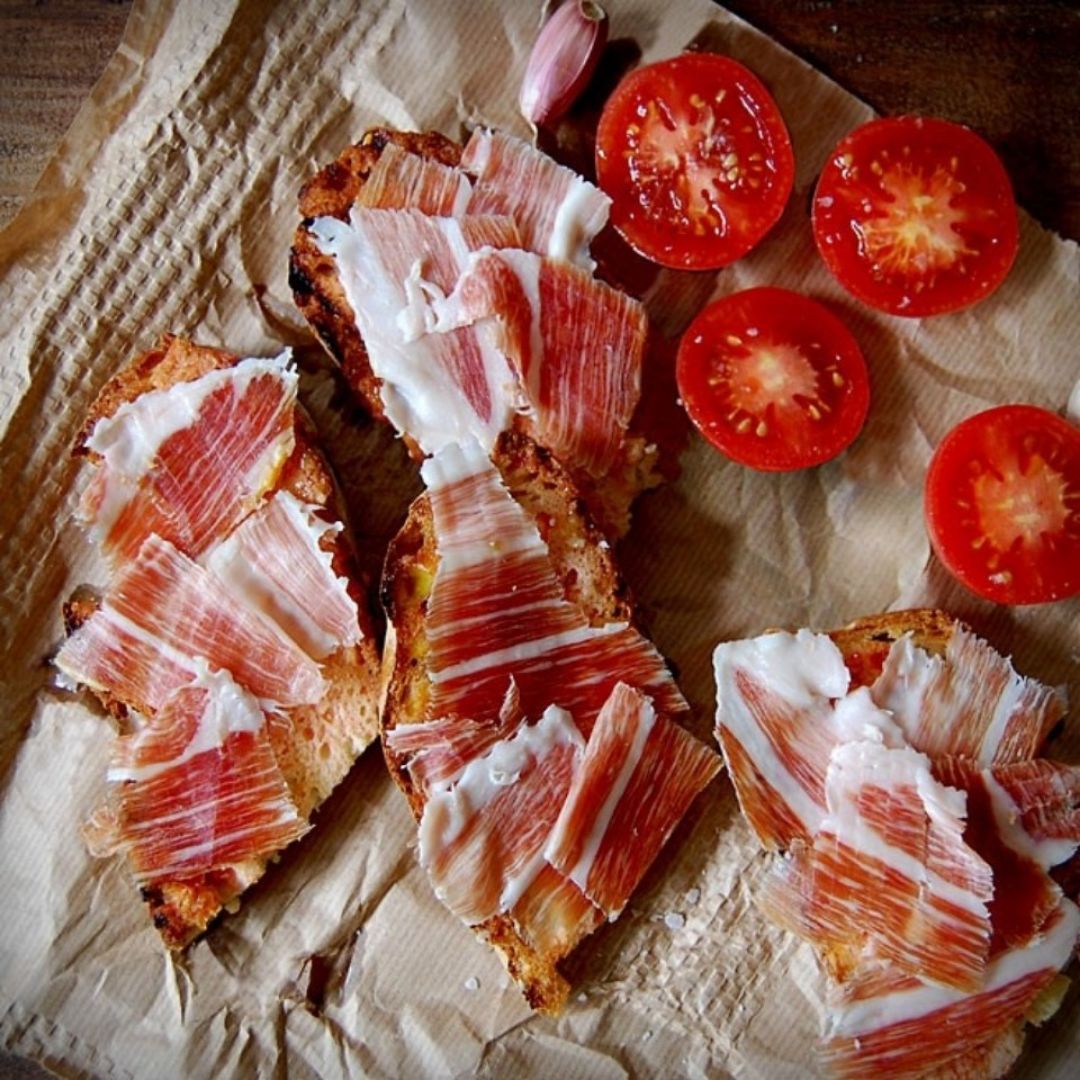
{"type": "Point", "coordinates": [1009, 70]}
{"type": "Point", "coordinates": [51, 54]}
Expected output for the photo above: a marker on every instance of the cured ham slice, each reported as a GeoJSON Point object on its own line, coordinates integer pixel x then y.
{"type": "Point", "coordinates": [782, 709]}
{"type": "Point", "coordinates": [497, 611]}
{"type": "Point", "coordinates": [273, 562]}
{"type": "Point", "coordinates": [638, 778]}
{"type": "Point", "coordinates": [112, 654]}
{"type": "Point", "coordinates": [553, 915]}
{"type": "Point", "coordinates": [969, 703]}
{"type": "Point", "coordinates": [1023, 819]}
{"type": "Point", "coordinates": [187, 463]}
{"type": "Point", "coordinates": [576, 345]}
{"type": "Point", "coordinates": [482, 839]}
{"type": "Point", "coordinates": [889, 866]}
{"type": "Point", "coordinates": [437, 388]}
{"type": "Point", "coordinates": [177, 615]}
{"type": "Point", "coordinates": [910, 1029]}
{"type": "Point", "coordinates": [437, 751]}
{"type": "Point", "coordinates": [401, 181]}
{"type": "Point", "coordinates": [557, 212]}
{"type": "Point", "coordinates": [197, 788]}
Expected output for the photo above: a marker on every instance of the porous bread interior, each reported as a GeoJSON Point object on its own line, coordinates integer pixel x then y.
{"type": "Point", "coordinates": [585, 567]}
{"type": "Point", "coordinates": [315, 745]}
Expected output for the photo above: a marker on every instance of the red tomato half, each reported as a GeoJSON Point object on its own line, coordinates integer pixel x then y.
{"type": "Point", "coordinates": [697, 160]}
{"type": "Point", "coordinates": [915, 216]}
{"type": "Point", "coordinates": [1003, 505]}
{"type": "Point", "coordinates": [773, 379]}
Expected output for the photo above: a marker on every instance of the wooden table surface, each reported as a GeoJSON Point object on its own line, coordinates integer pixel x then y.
{"type": "Point", "coordinates": [1009, 70]}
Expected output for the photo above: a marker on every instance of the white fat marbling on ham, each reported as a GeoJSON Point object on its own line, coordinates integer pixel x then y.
{"type": "Point", "coordinates": [274, 563]}
{"type": "Point", "coordinates": [442, 388]}
{"type": "Point", "coordinates": [778, 721]}
{"type": "Point", "coordinates": [197, 787]}
{"type": "Point", "coordinates": [400, 180]}
{"type": "Point", "coordinates": [971, 702]}
{"type": "Point", "coordinates": [178, 614]}
{"type": "Point", "coordinates": [482, 838]}
{"type": "Point", "coordinates": [189, 461]}
{"type": "Point", "coordinates": [639, 775]}
{"type": "Point", "coordinates": [495, 576]}
{"type": "Point", "coordinates": [557, 212]}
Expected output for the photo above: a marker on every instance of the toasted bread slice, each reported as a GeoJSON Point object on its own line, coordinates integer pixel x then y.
{"type": "Point", "coordinates": [316, 289]}
{"type": "Point", "coordinates": [865, 643]}
{"type": "Point", "coordinates": [315, 745]}
{"type": "Point", "coordinates": [586, 569]}
{"type": "Point", "coordinates": [318, 293]}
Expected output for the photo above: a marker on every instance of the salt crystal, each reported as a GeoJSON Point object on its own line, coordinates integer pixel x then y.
{"type": "Point", "coordinates": [472, 983]}
{"type": "Point", "coordinates": [693, 896]}
{"type": "Point", "coordinates": [674, 920]}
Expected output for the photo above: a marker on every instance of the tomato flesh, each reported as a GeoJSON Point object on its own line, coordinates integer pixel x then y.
{"type": "Point", "coordinates": [773, 379]}
{"type": "Point", "coordinates": [697, 161]}
{"type": "Point", "coordinates": [1003, 505]}
{"type": "Point", "coordinates": [915, 216]}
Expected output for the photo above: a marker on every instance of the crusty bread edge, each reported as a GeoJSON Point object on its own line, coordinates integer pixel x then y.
{"type": "Point", "coordinates": [182, 910]}
{"type": "Point", "coordinates": [543, 487]}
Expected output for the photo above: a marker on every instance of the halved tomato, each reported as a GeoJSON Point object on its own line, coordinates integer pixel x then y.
{"type": "Point", "coordinates": [697, 160]}
{"type": "Point", "coordinates": [915, 216]}
{"type": "Point", "coordinates": [773, 379]}
{"type": "Point", "coordinates": [1003, 505]}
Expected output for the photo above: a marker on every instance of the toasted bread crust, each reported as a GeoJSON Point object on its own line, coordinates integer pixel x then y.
{"type": "Point", "coordinates": [319, 743]}
{"type": "Point", "coordinates": [585, 567]}
{"type": "Point", "coordinates": [865, 642]}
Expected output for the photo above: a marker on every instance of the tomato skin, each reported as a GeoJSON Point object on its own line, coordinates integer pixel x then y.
{"type": "Point", "coordinates": [773, 379]}
{"type": "Point", "coordinates": [697, 160]}
{"type": "Point", "coordinates": [1002, 505]}
{"type": "Point", "coordinates": [915, 216]}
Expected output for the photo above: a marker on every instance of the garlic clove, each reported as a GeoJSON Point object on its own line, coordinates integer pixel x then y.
{"type": "Point", "coordinates": [563, 60]}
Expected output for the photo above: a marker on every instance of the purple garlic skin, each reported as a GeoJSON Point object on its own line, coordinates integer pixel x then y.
{"type": "Point", "coordinates": [562, 60]}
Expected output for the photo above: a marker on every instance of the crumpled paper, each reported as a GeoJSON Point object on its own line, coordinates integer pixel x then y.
{"type": "Point", "coordinates": [170, 207]}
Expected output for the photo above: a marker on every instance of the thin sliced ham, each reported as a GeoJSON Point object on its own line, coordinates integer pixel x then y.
{"type": "Point", "coordinates": [557, 212]}
{"type": "Point", "coordinates": [553, 915]}
{"type": "Point", "coordinates": [187, 463]}
{"type": "Point", "coordinates": [1023, 819]}
{"type": "Point", "coordinates": [274, 562]}
{"type": "Point", "coordinates": [482, 838]}
{"type": "Point", "coordinates": [400, 181]}
{"type": "Point", "coordinates": [436, 751]}
{"type": "Point", "coordinates": [889, 866]}
{"type": "Point", "coordinates": [497, 611]}
{"type": "Point", "coordinates": [197, 788]}
{"type": "Point", "coordinates": [437, 388]}
{"type": "Point", "coordinates": [911, 1029]}
{"type": "Point", "coordinates": [782, 709]}
{"type": "Point", "coordinates": [638, 778]}
{"type": "Point", "coordinates": [970, 703]}
{"type": "Point", "coordinates": [177, 615]}
{"type": "Point", "coordinates": [576, 345]}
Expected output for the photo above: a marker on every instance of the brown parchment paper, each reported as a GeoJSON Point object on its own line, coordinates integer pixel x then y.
{"type": "Point", "coordinates": [170, 206]}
